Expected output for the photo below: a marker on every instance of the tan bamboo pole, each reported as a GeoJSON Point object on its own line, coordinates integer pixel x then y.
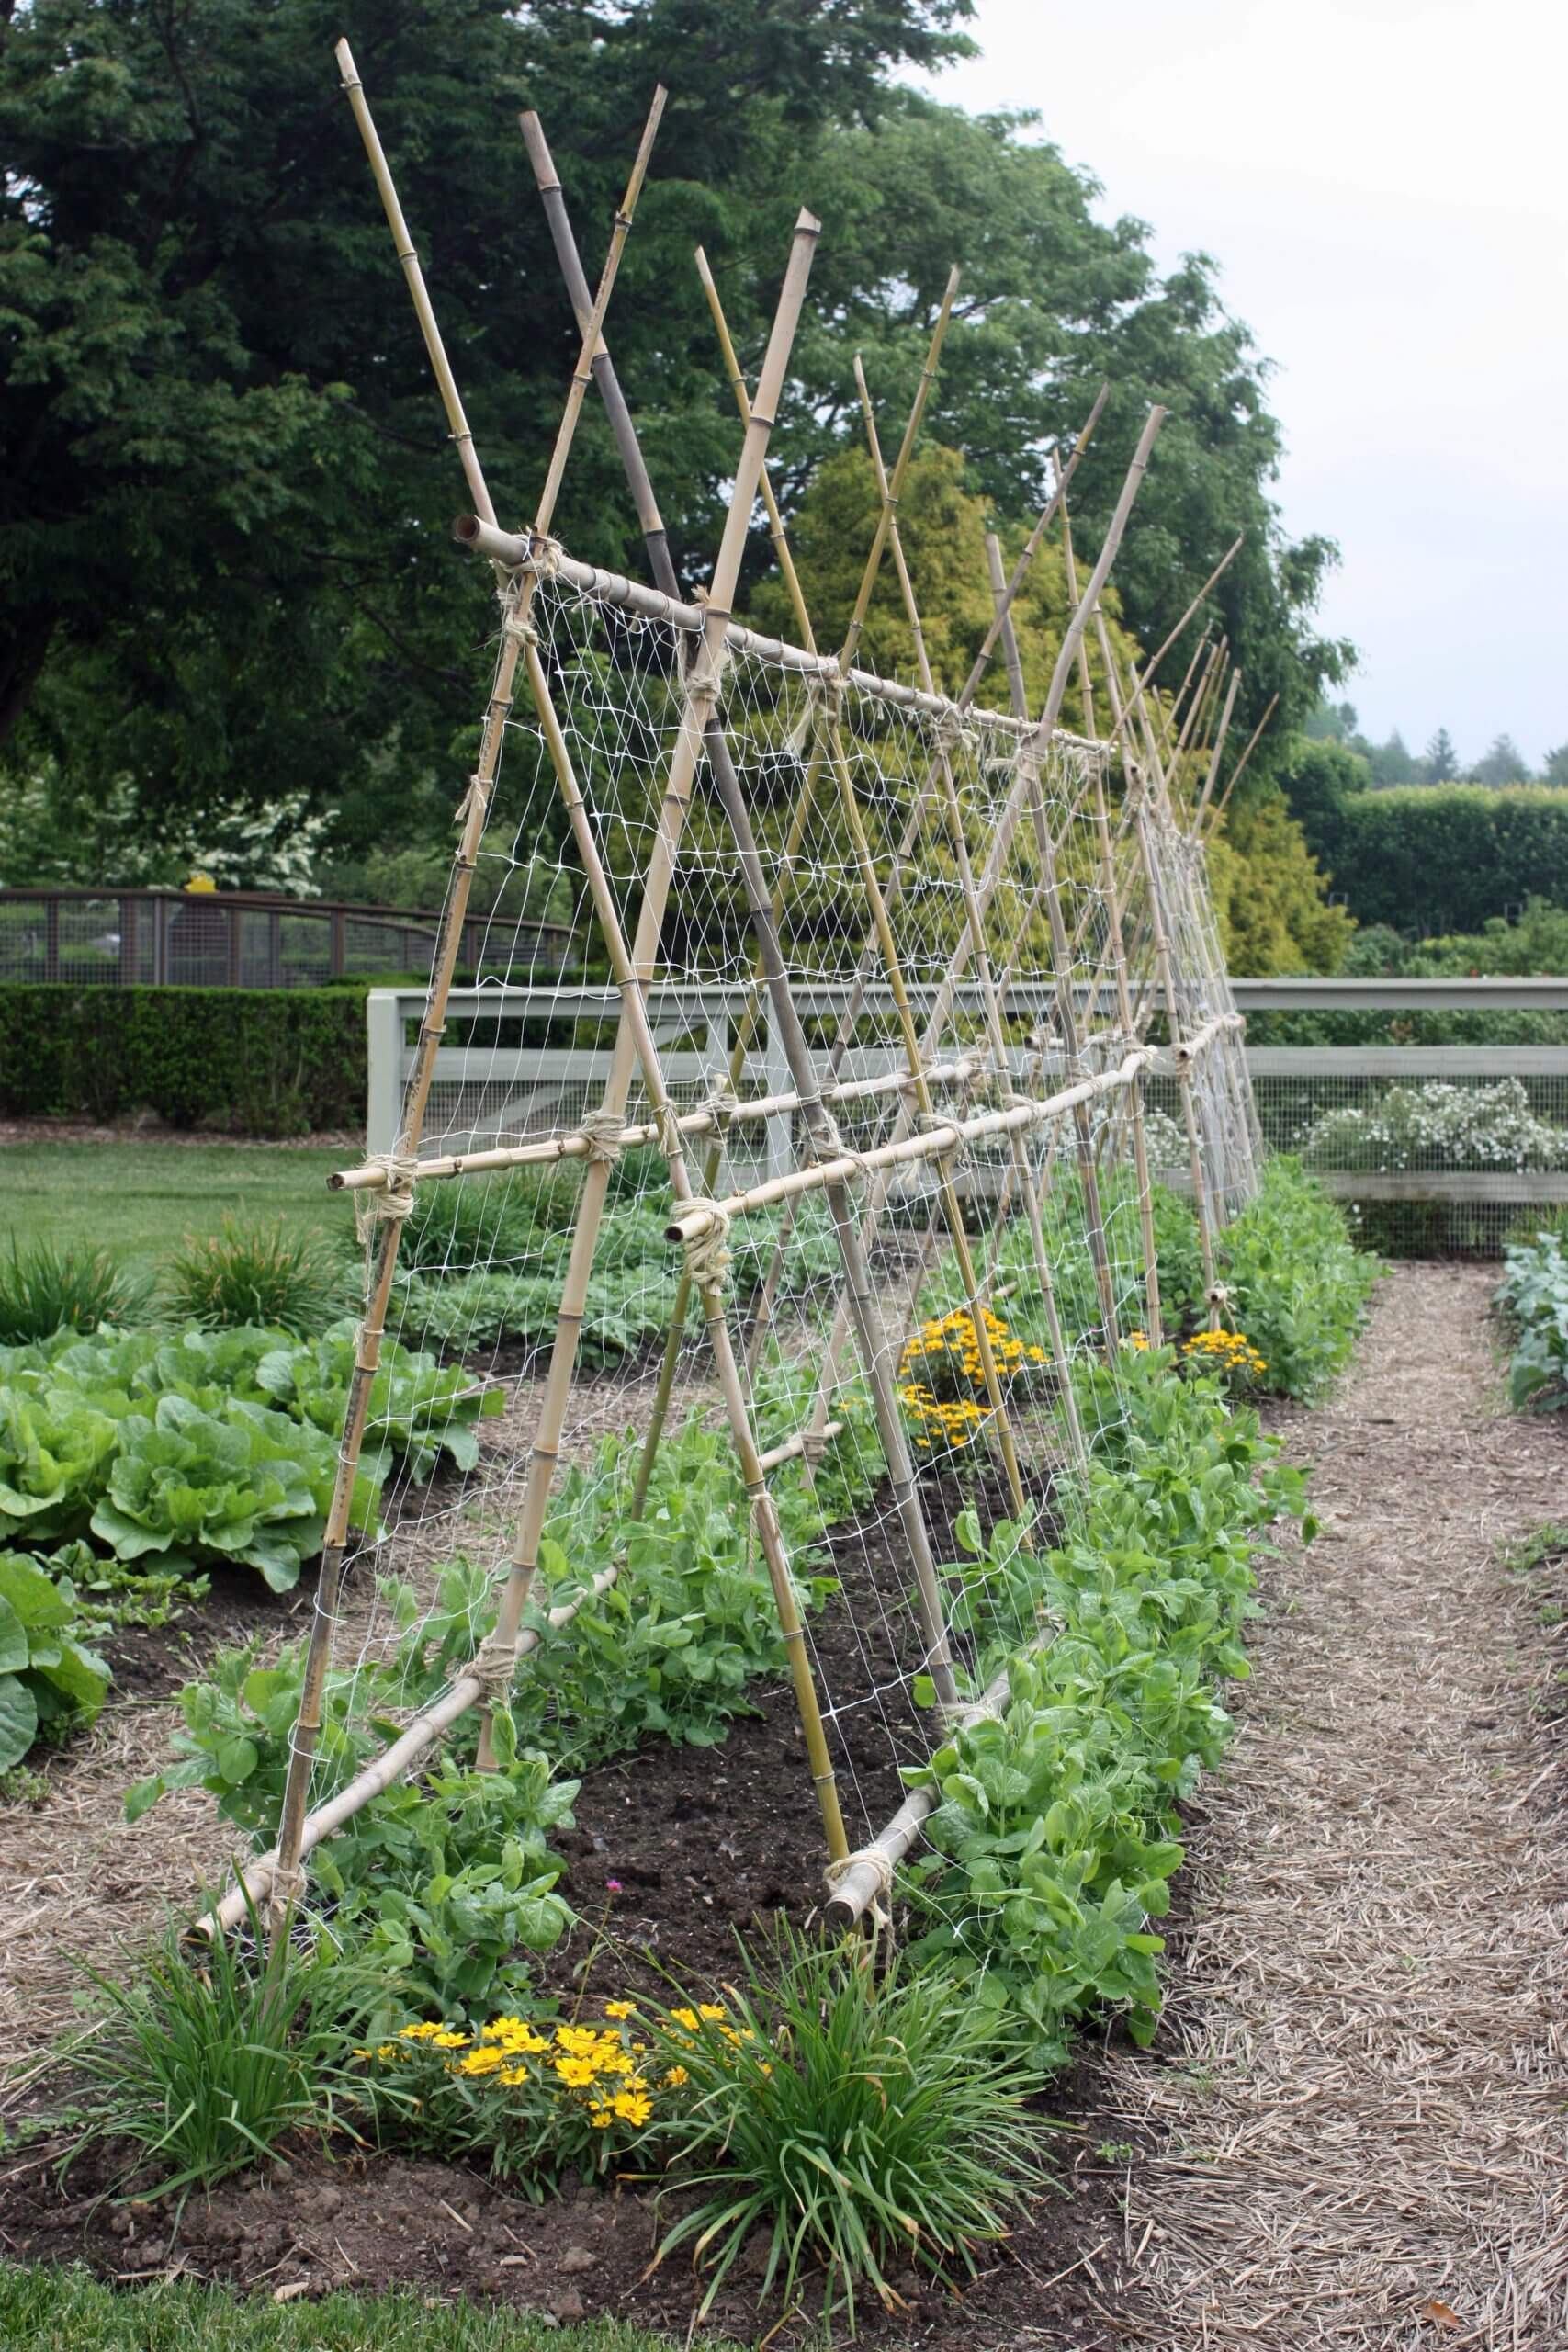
{"type": "Point", "coordinates": [664, 1387]}
{"type": "Point", "coordinates": [1221, 732]}
{"type": "Point", "coordinates": [549, 1151]}
{"type": "Point", "coordinates": [414, 1742]}
{"type": "Point", "coordinates": [473, 814]}
{"type": "Point", "coordinates": [909, 838]}
{"type": "Point", "coordinates": [702, 697]}
{"type": "Point", "coordinates": [1236, 775]}
{"type": "Point", "coordinates": [706, 1219]}
{"type": "Point", "coordinates": [1024, 788]}
{"type": "Point", "coordinates": [1134, 1097]}
{"type": "Point", "coordinates": [1166, 979]}
{"type": "Point", "coordinates": [707, 1268]}
{"type": "Point", "coordinates": [990, 1002]}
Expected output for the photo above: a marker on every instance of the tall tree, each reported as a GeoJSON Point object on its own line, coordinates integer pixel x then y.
{"type": "Point", "coordinates": [224, 565]}
{"type": "Point", "coordinates": [1503, 763]}
{"type": "Point", "coordinates": [1441, 763]}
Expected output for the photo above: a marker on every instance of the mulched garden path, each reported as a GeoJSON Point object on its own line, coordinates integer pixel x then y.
{"type": "Point", "coordinates": [1360, 2089]}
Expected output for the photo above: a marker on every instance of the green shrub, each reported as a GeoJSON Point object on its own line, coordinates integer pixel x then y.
{"type": "Point", "coordinates": [44, 1290]}
{"type": "Point", "coordinates": [258, 1061]}
{"type": "Point", "coordinates": [1299, 1287]}
{"type": "Point", "coordinates": [49, 1680]}
{"type": "Point", "coordinates": [251, 1275]}
{"type": "Point", "coordinates": [860, 2125]}
{"type": "Point", "coordinates": [1534, 1295]}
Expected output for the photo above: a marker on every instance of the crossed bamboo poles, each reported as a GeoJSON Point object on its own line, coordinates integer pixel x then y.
{"type": "Point", "coordinates": [487, 1678]}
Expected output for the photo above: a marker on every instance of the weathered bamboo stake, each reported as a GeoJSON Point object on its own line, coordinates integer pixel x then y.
{"type": "Point", "coordinates": [709, 1217]}
{"type": "Point", "coordinates": [472, 815]}
{"type": "Point", "coordinates": [888, 492]}
{"type": "Point", "coordinates": [885, 533]}
{"type": "Point", "coordinates": [822, 1134]}
{"type": "Point", "coordinates": [707, 1268]}
{"type": "Point", "coordinates": [910, 836]}
{"type": "Point", "coordinates": [1026, 787]}
{"type": "Point", "coordinates": [1134, 1097]}
{"type": "Point", "coordinates": [549, 1151]}
{"type": "Point", "coordinates": [1250, 746]}
{"type": "Point", "coordinates": [417, 1738]}
{"type": "Point", "coordinates": [664, 1387]}
{"type": "Point", "coordinates": [1221, 731]}
{"type": "Point", "coordinates": [702, 698]}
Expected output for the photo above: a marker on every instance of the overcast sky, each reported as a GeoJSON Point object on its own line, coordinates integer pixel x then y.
{"type": "Point", "coordinates": [1385, 188]}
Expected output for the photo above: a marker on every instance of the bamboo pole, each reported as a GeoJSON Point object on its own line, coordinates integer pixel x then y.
{"type": "Point", "coordinates": [1024, 788]}
{"type": "Point", "coordinates": [1119, 962]}
{"type": "Point", "coordinates": [472, 815]}
{"type": "Point", "coordinates": [1236, 775]}
{"type": "Point", "coordinates": [1221, 732]}
{"type": "Point", "coordinates": [634, 1044]}
{"type": "Point", "coordinates": [888, 491]}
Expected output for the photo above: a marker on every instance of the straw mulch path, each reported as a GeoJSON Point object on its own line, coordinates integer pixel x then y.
{"type": "Point", "coordinates": [1360, 2103]}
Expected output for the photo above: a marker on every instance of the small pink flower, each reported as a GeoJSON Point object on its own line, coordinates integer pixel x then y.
{"type": "Point", "coordinates": [613, 1884]}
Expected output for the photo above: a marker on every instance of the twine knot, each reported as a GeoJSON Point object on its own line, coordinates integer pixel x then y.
{"type": "Point", "coordinates": [518, 632]}
{"type": "Point", "coordinates": [390, 1203]}
{"type": "Point", "coordinates": [707, 1253]}
{"type": "Point", "coordinates": [285, 1894]}
{"type": "Point", "coordinates": [494, 1667]}
{"type": "Point", "coordinates": [873, 1859]}
{"type": "Point", "coordinates": [721, 1101]}
{"type": "Point", "coordinates": [475, 797]}
{"type": "Point", "coordinates": [602, 1132]}
{"type": "Point", "coordinates": [543, 556]}
{"type": "Point", "coordinates": [952, 735]}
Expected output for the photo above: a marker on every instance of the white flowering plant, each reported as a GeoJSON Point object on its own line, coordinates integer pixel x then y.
{"type": "Point", "coordinates": [1436, 1126]}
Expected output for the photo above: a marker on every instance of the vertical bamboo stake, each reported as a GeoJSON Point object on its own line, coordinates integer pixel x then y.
{"type": "Point", "coordinates": [992, 1008]}
{"type": "Point", "coordinates": [1119, 962]}
{"type": "Point", "coordinates": [1221, 732]}
{"type": "Point", "coordinates": [393, 1204]}
{"type": "Point", "coordinates": [701, 703]}
{"type": "Point", "coordinates": [1024, 788]}
{"type": "Point", "coordinates": [1236, 775]}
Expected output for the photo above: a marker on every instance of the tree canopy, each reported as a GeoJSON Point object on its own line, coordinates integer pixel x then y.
{"type": "Point", "coordinates": [224, 560]}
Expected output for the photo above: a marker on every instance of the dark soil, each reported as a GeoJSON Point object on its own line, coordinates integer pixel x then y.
{"type": "Point", "coordinates": [319, 2220]}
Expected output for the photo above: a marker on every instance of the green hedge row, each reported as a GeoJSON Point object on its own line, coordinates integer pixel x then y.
{"type": "Point", "coordinates": [254, 1061]}
{"type": "Point", "coordinates": [1430, 858]}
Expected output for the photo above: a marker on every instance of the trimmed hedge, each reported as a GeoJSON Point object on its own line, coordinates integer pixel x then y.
{"type": "Point", "coordinates": [1430, 858]}
{"type": "Point", "coordinates": [253, 1061]}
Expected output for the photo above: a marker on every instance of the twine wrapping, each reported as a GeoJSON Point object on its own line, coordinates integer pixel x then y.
{"type": "Point", "coordinates": [478, 787]}
{"type": "Point", "coordinates": [952, 735]}
{"type": "Point", "coordinates": [705, 680]}
{"type": "Point", "coordinates": [602, 1131]}
{"type": "Point", "coordinates": [285, 1894]}
{"type": "Point", "coordinates": [388, 1204]}
{"type": "Point", "coordinates": [671, 1142]}
{"type": "Point", "coordinates": [721, 1101]}
{"type": "Point", "coordinates": [494, 1667]}
{"type": "Point", "coordinates": [932, 1123]}
{"type": "Point", "coordinates": [707, 1254]}
{"type": "Point", "coordinates": [518, 632]}
{"type": "Point", "coordinates": [823, 706]}
{"type": "Point", "coordinates": [543, 556]}
{"type": "Point", "coordinates": [874, 1860]}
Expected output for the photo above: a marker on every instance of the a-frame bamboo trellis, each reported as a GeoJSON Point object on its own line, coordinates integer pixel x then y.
{"type": "Point", "coordinates": [960, 861]}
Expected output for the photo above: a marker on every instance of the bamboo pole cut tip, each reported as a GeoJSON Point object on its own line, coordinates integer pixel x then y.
{"type": "Point", "coordinates": [704, 272]}
{"type": "Point", "coordinates": [466, 529]}
{"type": "Point", "coordinates": [807, 224]}
{"type": "Point", "coordinates": [952, 278]}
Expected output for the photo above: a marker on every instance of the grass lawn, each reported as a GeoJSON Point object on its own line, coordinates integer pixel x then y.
{"type": "Point", "coordinates": [66, 2310]}
{"type": "Point", "coordinates": [140, 1199]}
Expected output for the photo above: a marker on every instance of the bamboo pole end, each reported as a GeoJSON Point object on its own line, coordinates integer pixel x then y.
{"type": "Point", "coordinates": [807, 224]}
{"type": "Point", "coordinates": [344, 56]}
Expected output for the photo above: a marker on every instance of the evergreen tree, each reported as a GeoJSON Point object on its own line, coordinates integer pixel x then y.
{"type": "Point", "coordinates": [1441, 763]}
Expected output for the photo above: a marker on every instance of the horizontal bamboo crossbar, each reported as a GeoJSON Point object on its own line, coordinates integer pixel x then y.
{"type": "Point", "coordinates": [418, 1736]}
{"type": "Point", "coordinates": [373, 1176]}
{"type": "Point", "coordinates": [704, 1218]}
{"type": "Point", "coordinates": [514, 550]}
{"type": "Point", "coordinates": [793, 1447]}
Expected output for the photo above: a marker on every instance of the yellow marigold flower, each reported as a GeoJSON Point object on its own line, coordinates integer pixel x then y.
{"type": "Point", "coordinates": [447, 2039]}
{"type": "Point", "coordinates": [601, 2118]}
{"type": "Point", "coordinates": [688, 2017]}
{"type": "Point", "coordinates": [576, 2072]}
{"type": "Point", "coordinates": [712, 2010]}
{"type": "Point", "coordinates": [577, 2038]}
{"type": "Point", "coordinates": [620, 2008]}
{"type": "Point", "coordinates": [675, 2077]}
{"type": "Point", "coordinates": [419, 2032]}
{"type": "Point", "coordinates": [512, 2075]}
{"type": "Point", "coordinates": [482, 2062]}
{"type": "Point", "coordinates": [633, 2107]}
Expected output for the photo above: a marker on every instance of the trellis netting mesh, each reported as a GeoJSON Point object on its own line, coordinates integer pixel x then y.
{"type": "Point", "coordinates": [829, 1218]}
{"type": "Point", "coordinates": [937, 876]}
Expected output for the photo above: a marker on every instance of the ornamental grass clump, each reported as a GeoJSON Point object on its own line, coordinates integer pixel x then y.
{"type": "Point", "coordinates": [857, 2126]}
{"type": "Point", "coordinates": [255, 1274]}
{"type": "Point", "coordinates": [44, 1290]}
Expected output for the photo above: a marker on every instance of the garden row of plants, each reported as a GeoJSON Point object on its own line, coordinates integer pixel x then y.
{"type": "Point", "coordinates": [1534, 1298]}
{"type": "Point", "coordinates": [826, 2108]}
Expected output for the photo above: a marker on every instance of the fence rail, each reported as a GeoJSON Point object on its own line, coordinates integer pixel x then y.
{"type": "Point", "coordinates": [1437, 1148]}
{"type": "Point", "coordinates": [238, 939]}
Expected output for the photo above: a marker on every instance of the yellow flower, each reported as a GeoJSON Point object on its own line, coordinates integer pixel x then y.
{"type": "Point", "coordinates": [601, 2118]}
{"type": "Point", "coordinates": [512, 2075]}
{"type": "Point", "coordinates": [482, 2062]}
{"type": "Point", "coordinates": [577, 2038]}
{"type": "Point", "coordinates": [419, 2032]}
{"type": "Point", "coordinates": [675, 2077]}
{"type": "Point", "coordinates": [688, 2017]}
{"type": "Point", "coordinates": [576, 2072]}
{"type": "Point", "coordinates": [712, 2010]}
{"type": "Point", "coordinates": [633, 2107]}
{"type": "Point", "coordinates": [620, 2008]}
{"type": "Point", "coordinates": [447, 2039]}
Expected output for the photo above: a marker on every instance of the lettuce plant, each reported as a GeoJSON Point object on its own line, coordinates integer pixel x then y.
{"type": "Point", "coordinates": [47, 1675]}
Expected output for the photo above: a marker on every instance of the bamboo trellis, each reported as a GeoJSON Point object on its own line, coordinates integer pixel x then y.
{"type": "Point", "coordinates": [927, 839]}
